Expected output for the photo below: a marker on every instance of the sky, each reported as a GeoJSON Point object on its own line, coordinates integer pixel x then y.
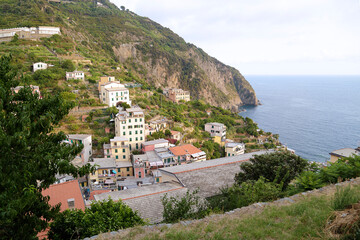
{"type": "Point", "coordinates": [262, 37]}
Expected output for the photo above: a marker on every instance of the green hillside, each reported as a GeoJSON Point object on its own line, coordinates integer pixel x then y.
{"type": "Point", "coordinates": [134, 46]}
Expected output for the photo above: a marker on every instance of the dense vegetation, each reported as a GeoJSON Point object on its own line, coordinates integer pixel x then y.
{"type": "Point", "coordinates": [102, 216]}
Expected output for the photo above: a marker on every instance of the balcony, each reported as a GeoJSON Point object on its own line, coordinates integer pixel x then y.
{"type": "Point", "coordinates": [107, 175]}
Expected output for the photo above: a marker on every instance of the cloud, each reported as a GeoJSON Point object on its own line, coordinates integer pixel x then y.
{"type": "Point", "coordinates": [249, 34]}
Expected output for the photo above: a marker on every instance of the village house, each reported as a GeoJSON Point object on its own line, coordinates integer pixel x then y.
{"type": "Point", "coordinates": [105, 79]}
{"type": "Point", "coordinates": [234, 149]}
{"type": "Point", "coordinates": [84, 139]}
{"type": "Point", "coordinates": [34, 89]}
{"type": "Point", "coordinates": [343, 153]}
{"type": "Point", "coordinates": [113, 92]}
{"type": "Point", "coordinates": [41, 66]}
{"type": "Point", "coordinates": [159, 124]}
{"type": "Point", "coordinates": [119, 149]}
{"type": "Point", "coordinates": [32, 33]}
{"type": "Point", "coordinates": [131, 124]}
{"type": "Point", "coordinates": [105, 173]}
{"type": "Point", "coordinates": [217, 131]}
{"type": "Point", "coordinates": [187, 153]}
{"type": "Point", "coordinates": [151, 145]}
{"type": "Point", "coordinates": [139, 168]}
{"type": "Point", "coordinates": [176, 135]}
{"type": "Point", "coordinates": [76, 75]}
{"type": "Point", "coordinates": [176, 95]}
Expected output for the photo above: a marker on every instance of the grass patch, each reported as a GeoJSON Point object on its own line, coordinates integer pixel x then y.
{"type": "Point", "coordinates": [344, 197]}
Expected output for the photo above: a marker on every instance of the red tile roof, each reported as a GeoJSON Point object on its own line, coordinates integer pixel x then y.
{"type": "Point", "coordinates": [185, 149]}
{"type": "Point", "coordinates": [60, 193]}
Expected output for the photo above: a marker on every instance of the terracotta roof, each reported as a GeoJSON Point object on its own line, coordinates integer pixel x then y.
{"type": "Point", "coordinates": [174, 132]}
{"type": "Point", "coordinates": [60, 193]}
{"type": "Point", "coordinates": [185, 149]}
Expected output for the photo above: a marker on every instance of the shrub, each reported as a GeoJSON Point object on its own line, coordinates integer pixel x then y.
{"type": "Point", "coordinates": [249, 192]}
{"type": "Point", "coordinates": [189, 206]}
{"type": "Point", "coordinates": [344, 168]}
{"type": "Point", "coordinates": [344, 197]}
{"type": "Point", "coordinates": [279, 167]}
{"type": "Point", "coordinates": [309, 180]}
{"type": "Point", "coordinates": [101, 217]}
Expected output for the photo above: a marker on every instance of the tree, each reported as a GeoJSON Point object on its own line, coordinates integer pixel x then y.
{"type": "Point", "coordinates": [30, 156]}
{"type": "Point", "coordinates": [167, 133]}
{"type": "Point", "coordinates": [278, 167]}
{"type": "Point", "coordinates": [68, 65]}
{"type": "Point", "coordinates": [101, 217]}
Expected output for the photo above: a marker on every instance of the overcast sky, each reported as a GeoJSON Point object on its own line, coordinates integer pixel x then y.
{"type": "Point", "coordinates": [263, 36]}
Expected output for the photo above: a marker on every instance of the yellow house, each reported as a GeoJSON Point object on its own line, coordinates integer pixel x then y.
{"type": "Point", "coordinates": [341, 153]}
{"type": "Point", "coordinates": [108, 171]}
{"type": "Point", "coordinates": [105, 171]}
{"type": "Point", "coordinates": [119, 148]}
{"type": "Point", "coordinates": [124, 169]}
{"type": "Point", "coordinates": [218, 139]}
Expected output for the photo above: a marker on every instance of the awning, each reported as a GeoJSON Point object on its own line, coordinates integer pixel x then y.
{"type": "Point", "coordinates": [157, 163]}
{"type": "Point", "coordinates": [109, 182]}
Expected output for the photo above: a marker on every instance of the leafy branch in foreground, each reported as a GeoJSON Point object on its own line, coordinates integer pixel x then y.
{"type": "Point", "coordinates": [30, 156]}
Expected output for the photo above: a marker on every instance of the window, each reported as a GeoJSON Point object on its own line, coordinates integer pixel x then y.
{"type": "Point", "coordinates": [127, 169]}
{"type": "Point", "coordinates": [129, 132]}
{"type": "Point", "coordinates": [123, 127]}
{"type": "Point", "coordinates": [124, 133]}
{"type": "Point", "coordinates": [123, 149]}
{"type": "Point", "coordinates": [135, 119]}
{"type": "Point", "coordinates": [141, 138]}
{"type": "Point", "coordinates": [107, 151]}
{"type": "Point", "coordinates": [119, 170]}
{"type": "Point", "coordinates": [137, 146]}
{"type": "Point", "coordinates": [130, 139]}
{"type": "Point", "coordinates": [212, 126]}
{"type": "Point", "coordinates": [140, 119]}
{"type": "Point", "coordinates": [136, 139]}
{"type": "Point", "coordinates": [136, 132]}
{"type": "Point", "coordinates": [71, 203]}
{"type": "Point", "coordinates": [117, 157]}
{"type": "Point", "coordinates": [112, 99]}
{"type": "Point", "coordinates": [108, 156]}
{"type": "Point", "coordinates": [129, 120]}
{"type": "Point", "coordinates": [115, 150]}
{"type": "Point", "coordinates": [140, 131]}
{"type": "Point", "coordinates": [228, 154]}
{"type": "Point", "coordinates": [124, 156]}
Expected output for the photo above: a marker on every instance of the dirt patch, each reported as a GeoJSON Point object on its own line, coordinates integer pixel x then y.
{"type": "Point", "coordinates": [343, 222]}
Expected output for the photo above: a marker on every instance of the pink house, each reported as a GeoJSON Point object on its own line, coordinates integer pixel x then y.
{"type": "Point", "coordinates": [139, 169]}
{"type": "Point", "coordinates": [151, 145]}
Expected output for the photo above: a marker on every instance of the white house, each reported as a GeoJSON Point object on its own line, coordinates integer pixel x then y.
{"type": "Point", "coordinates": [131, 124]}
{"type": "Point", "coordinates": [234, 149]}
{"type": "Point", "coordinates": [84, 139]}
{"type": "Point", "coordinates": [113, 92]}
{"type": "Point", "coordinates": [40, 66]}
{"type": "Point", "coordinates": [76, 75]}
{"type": "Point", "coordinates": [216, 129]}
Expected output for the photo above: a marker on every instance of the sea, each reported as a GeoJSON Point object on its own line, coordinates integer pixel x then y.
{"type": "Point", "coordinates": [314, 115]}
